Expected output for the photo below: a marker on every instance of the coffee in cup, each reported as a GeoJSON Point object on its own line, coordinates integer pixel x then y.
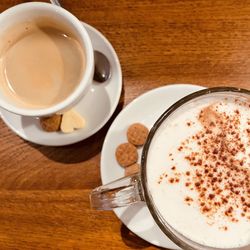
{"type": "Point", "coordinates": [41, 63]}
{"type": "Point", "coordinates": [46, 59]}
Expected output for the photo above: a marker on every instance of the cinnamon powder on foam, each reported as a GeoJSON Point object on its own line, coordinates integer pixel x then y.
{"type": "Point", "coordinates": [220, 168]}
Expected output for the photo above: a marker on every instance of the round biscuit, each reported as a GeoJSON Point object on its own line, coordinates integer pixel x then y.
{"type": "Point", "coordinates": [126, 154]}
{"type": "Point", "coordinates": [137, 134]}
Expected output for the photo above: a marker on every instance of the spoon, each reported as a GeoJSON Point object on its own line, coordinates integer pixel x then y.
{"type": "Point", "coordinates": [102, 70]}
{"type": "Point", "coordinates": [102, 67]}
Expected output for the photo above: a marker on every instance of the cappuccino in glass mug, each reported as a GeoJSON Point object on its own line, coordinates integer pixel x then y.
{"type": "Point", "coordinates": [195, 176]}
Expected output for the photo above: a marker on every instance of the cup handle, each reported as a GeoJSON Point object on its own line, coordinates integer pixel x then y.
{"type": "Point", "coordinates": [119, 193]}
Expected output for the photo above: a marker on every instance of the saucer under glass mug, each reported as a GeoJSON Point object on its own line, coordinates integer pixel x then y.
{"type": "Point", "coordinates": [134, 188]}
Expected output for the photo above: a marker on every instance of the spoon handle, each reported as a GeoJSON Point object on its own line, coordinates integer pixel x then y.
{"type": "Point", "coordinates": [56, 2]}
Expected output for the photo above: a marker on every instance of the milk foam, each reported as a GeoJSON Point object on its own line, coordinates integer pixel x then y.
{"type": "Point", "coordinates": [172, 177]}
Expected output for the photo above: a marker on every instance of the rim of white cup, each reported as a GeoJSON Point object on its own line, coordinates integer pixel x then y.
{"type": "Point", "coordinates": [77, 93]}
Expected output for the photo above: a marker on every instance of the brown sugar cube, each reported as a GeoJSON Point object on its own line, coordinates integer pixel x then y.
{"type": "Point", "coordinates": [137, 134]}
{"type": "Point", "coordinates": [126, 154]}
{"type": "Point", "coordinates": [132, 169]}
{"type": "Point", "coordinates": [51, 124]}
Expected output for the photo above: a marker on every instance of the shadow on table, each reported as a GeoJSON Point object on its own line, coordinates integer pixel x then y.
{"type": "Point", "coordinates": [132, 240]}
{"type": "Point", "coordinates": [128, 216]}
{"type": "Point", "coordinates": [84, 150]}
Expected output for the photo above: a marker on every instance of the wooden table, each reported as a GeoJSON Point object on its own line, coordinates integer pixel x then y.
{"type": "Point", "coordinates": [44, 190]}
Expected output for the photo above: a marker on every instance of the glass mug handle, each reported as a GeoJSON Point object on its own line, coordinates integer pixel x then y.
{"type": "Point", "coordinates": [119, 193]}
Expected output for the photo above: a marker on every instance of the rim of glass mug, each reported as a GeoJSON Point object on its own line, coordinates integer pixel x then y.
{"type": "Point", "coordinates": [39, 7]}
{"type": "Point", "coordinates": [174, 235]}
{"type": "Point", "coordinates": [131, 189]}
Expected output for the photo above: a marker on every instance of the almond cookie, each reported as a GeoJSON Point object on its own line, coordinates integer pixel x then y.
{"type": "Point", "coordinates": [132, 169]}
{"type": "Point", "coordinates": [52, 123]}
{"type": "Point", "coordinates": [137, 134]}
{"type": "Point", "coordinates": [126, 154]}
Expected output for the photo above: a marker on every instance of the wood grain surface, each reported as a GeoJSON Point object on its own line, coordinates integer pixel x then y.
{"type": "Point", "coordinates": [44, 190]}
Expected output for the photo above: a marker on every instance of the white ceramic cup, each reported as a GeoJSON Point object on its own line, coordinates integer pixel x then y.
{"type": "Point", "coordinates": [27, 12]}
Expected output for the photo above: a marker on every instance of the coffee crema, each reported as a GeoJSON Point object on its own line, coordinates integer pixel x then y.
{"type": "Point", "coordinates": [198, 171]}
{"type": "Point", "coordinates": [40, 63]}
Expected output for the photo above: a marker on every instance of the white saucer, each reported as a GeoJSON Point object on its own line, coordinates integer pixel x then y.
{"type": "Point", "coordinates": [145, 109]}
{"type": "Point", "coordinates": [96, 107]}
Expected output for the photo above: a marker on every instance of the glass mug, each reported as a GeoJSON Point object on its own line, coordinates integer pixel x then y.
{"type": "Point", "coordinates": [134, 188]}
